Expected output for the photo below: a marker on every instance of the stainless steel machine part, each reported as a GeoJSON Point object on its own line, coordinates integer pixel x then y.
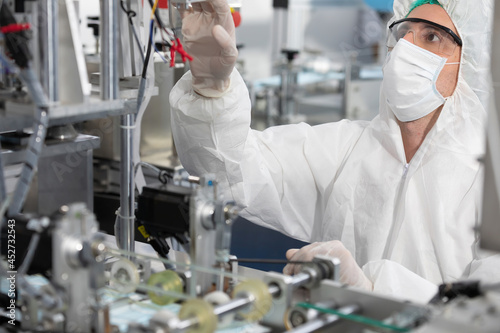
{"type": "Point", "coordinates": [125, 228]}
{"type": "Point", "coordinates": [49, 39]}
{"type": "Point", "coordinates": [324, 321]}
{"type": "Point", "coordinates": [310, 277]}
{"type": "Point", "coordinates": [109, 50]}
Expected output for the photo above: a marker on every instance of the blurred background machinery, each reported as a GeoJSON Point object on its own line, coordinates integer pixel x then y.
{"type": "Point", "coordinates": [112, 235]}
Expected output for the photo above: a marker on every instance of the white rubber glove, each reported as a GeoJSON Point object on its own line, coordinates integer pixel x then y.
{"type": "Point", "coordinates": [208, 30]}
{"type": "Point", "coordinates": [350, 272]}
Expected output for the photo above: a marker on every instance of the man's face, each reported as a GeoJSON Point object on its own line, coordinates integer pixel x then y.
{"type": "Point", "coordinates": [448, 78]}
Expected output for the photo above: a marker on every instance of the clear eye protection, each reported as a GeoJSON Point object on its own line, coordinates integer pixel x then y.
{"type": "Point", "coordinates": [428, 35]}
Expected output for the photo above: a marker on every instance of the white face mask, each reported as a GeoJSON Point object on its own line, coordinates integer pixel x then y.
{"type": "Point", "coordinates": [409, 84]}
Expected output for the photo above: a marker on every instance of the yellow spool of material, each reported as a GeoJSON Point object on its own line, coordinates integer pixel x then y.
{"type": "Point", "coordinates": [263, 299]}
{"type": "Point", "coordinates": [203, 312]}
{"type": "Point", "coordinates": [124, 276]}
{"type": "Point", "coordinates": [167, 281]}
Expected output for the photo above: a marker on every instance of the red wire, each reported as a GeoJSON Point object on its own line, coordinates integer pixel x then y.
{"type": "Point", "coordinates": [173, 48]}
{"type": "Point", "coordinates": [177, 47]}
{"type": "Point", "coordinates": [15, 27]}
{"type": "Point", "coordinates": [183, 52]}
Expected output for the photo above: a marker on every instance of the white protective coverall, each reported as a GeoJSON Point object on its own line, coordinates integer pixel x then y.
{"type": "Point", "coordinates": [409, 226]}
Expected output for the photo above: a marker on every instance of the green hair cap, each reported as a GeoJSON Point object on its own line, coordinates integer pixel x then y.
{"type": "Point", "coordinates": [418, 3]}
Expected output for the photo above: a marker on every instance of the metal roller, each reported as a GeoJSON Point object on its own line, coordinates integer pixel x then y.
{"type": "Point", "coordinates": [124, 276]}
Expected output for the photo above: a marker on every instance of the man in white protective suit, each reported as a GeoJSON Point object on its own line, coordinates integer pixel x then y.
{"type": "Point", "coordinates": [395, 199]}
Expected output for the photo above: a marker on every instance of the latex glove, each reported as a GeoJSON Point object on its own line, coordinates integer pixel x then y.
{"type": "Point", "coordinates": [350, 272]}
{"type": "Point", "coordinates": [209, 37]}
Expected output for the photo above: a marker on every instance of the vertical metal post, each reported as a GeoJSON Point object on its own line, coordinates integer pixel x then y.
{"type": "Point", "coordinates": [125, 229]}
{"type": "Point", "coordinates": [279, 38]}
{"type": "Point", "coordinates": [49, 13]}
{"type": "Point", "coordinates": [109, 50]}
{"type": "Point", "coordinates": [127, 201]}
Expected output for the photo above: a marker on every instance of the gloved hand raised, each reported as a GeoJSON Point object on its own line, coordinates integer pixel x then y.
{"type": "Point", "coordinates": [350, 272]}
{"type": "Point", "coordinates": [208, 30]}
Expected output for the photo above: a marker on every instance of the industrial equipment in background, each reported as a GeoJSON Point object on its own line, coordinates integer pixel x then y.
{"type": "Point", "coordinates": [320, 77]}
{"type": "Point", "coordinates": [80, 183]}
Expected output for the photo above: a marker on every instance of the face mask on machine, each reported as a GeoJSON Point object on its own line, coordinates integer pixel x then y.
{"type": "Point", "coordinates": [409, 84]}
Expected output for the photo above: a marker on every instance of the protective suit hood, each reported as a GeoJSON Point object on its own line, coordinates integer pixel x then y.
{"type": "Point", "coordinates": [463, 117]}
{"type": "Point", "coordinates": [473, 20]}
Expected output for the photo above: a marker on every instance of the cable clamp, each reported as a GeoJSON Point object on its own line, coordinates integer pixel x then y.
{"type": "Point", "coordinates": [123, 217]}
{"type": "Point", "coordinates": [128, 127]}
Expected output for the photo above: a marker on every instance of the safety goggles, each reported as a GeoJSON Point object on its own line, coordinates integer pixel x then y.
{"type": "Point", "coordinates": [426, 34]}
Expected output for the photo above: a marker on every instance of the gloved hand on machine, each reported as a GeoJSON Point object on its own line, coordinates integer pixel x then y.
{"type": "Point", "coordinates": [209, 36]}
{"type": "Point", "coordinates": [350, 273]}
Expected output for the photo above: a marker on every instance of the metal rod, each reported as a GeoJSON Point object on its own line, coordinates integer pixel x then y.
{"type": "Point", "coordinates": [109, 91]}
{"type": "Point", "coordinates": [126, 229]}
{"type": "Point", "coordinates": [274, 290]}
{"type": "Point", "coordinates": [109, 49]}
{"type": "Point", "coordinates": [49, 28]}
{"type": "Point", "coordinates": [324, 320]}
{"type": "Point", "coordinates": [233, 305]}
{"type": "Point", "coordinates": [193, 179]}
{"type": "Point", "coordinates": [186, 323]}
{"type": "Point", "coordinates": [284, 92]}
{"type": "Point", "coordinates": [220, 280]}
{"type": "Point", "coordinates": [300, 280]}
{"type": "Point", "coordinates": [240, 302]}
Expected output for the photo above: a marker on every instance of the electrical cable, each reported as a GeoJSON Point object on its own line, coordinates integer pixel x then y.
{"type": "Point", "coordinates": [155, 13]}
{"type": "Point", "coordinates": [130, 15]}
{"type": "Point", "coordinates": [146, 62]}
{"type": "Point", "coordinates": [169, 42]}
{"type": "Point", "coordinates": [160, 23]}
{"type": "Point", "coordinates": [355, 318]}
{"type": "Point", "coordinates": [136, 37]}
{"type": "Point", "coordinates": [147, 165]}
{"type": "Point", "coordinates": [154, 45]}
{"type": "Point", "coordinates": [142, 84]}
{"type": "Point", "coordinates": [15, 38]}
{"type": "Point", "coordinates": [163, 175]}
